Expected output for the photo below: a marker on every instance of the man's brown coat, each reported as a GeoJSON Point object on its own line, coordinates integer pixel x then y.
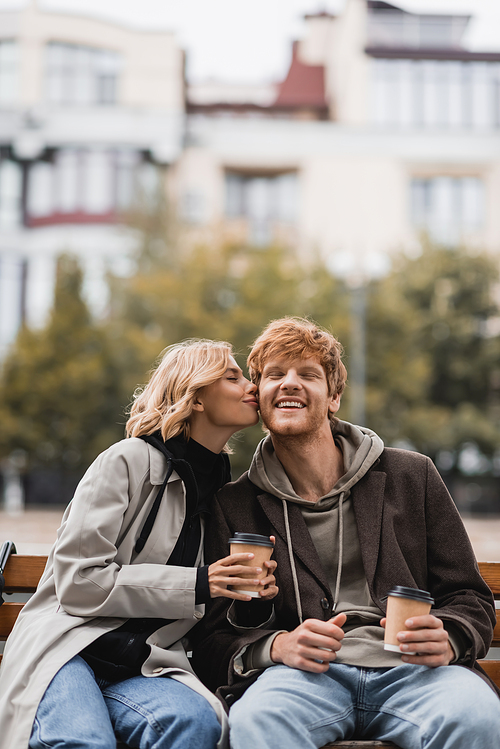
{"type": "Point", "coordinates": [410, 534]}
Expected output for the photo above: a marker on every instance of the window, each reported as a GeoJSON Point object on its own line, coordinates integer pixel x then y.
{"type": "Point", "coordinates": [77, 181]}
{"type": "Point", "coordinates": [447, 208]}
{"type": "Point", "coordinates": [436, 93]}
{"type": "Point", "coordinates": [97, 182]}
{"type": "Point", "coordinates": [81, 75]}
{"type": "Point", "coordinates": [10, 194]}
{"type": "Point", "coordinates": [148, 182]}
{"type": "Point", "coordinates": [67, 180]}
{"type": "Point", "coordinates": [127, 162]}
{"type": "Point", "coordinates": [40, 198]}
{"type": "Point", "coordinates": [9, 64]}
{"type": "Point", "coordinates": [12, 285]}
{"type": "Point", "coordinates": [399, 29]}
{"type": "Point", "coordinates": [93, 182]}
{"type": "Point", "coordinates": [193, 207]}
{"type": "Point", "coordinates": [262, 200]}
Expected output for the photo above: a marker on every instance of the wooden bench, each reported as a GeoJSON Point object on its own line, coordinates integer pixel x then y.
{"type": "Point", "coordinates": [22, 574]}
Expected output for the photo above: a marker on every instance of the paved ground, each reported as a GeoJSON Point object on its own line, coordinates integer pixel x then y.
{"type": "Point", "coordinates": [34, 532]}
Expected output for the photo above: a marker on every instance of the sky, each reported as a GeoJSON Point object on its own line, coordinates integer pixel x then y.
{"type": "Point", "coordinates": [250, 40]}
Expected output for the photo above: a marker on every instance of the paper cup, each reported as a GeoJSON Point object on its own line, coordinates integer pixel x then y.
{"type": "Point", "coordinates": [403, 603]}
{"type": "Point", "coordinates": [251, 543]}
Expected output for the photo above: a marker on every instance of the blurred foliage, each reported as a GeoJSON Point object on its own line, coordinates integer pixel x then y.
{"type": "Point", "coordinates": [433, 362]}
{"type": "Point", "coordinates": [433, 358]}
{"type": "Point", "coordinates": [226, 293]}
{"type": "Point", "coordinates": [58, 396]}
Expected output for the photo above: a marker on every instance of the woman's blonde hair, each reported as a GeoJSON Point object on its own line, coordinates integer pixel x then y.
{"type": "Point", "coordinates": [166, 402]}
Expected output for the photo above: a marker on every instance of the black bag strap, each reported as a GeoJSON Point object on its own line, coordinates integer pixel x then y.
{"type": "Point", "coordinates": [150, 520]}
{"type": "Point", "coordinates": [8, 548]}
{"type": "Point", "coordinates": [155, 441]}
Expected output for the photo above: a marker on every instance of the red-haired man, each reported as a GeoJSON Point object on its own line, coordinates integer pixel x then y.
{"type": "Point", "coordinates": [351, 520]}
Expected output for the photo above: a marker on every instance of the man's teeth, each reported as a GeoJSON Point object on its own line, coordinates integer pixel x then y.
{"type": "Point", "coordinates": [290, 404]}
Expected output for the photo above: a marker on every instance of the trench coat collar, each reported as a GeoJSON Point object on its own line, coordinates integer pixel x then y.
{"type": "Point", "coordinates": [158, 467]}
{"type": "Point", "coordinates": [367, 498]}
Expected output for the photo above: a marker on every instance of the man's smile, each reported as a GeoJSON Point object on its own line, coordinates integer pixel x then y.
{"type": "Point", "coordinates": [290, 404]}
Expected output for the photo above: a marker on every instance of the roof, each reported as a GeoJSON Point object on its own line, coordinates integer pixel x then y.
{"type": "Point", "coordinates": [440, 53]}
{"type": "Point", "coordinates": [304, 85]}
{"type": "Point", "coordinates": [216, 93]}
{"type": "Point", "coordinates": [377, 5]}
{"type": "Point", "coordinates": [320, 14]}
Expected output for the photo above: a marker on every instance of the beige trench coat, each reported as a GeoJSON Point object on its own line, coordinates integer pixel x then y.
{"type": "Point", "coordinates": [94, 581]}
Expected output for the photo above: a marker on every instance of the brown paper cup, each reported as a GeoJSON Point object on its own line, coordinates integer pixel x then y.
{"type": "Point", "coordinates": [262, 554]}
{"type": "Point", "coordinates": [398, 611]}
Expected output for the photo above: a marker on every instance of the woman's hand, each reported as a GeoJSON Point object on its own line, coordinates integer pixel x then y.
{"type": "Point", "coordinates": [226, 572]}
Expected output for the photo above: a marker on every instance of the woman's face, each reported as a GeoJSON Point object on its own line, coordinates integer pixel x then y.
{"type": "Point", "coordinates": [229, 403]}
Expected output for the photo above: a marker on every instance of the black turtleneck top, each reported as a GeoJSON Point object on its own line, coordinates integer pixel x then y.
{"type": "Point", "coordinates": [202, 476]}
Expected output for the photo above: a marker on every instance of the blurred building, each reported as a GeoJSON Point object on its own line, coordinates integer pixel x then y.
{"type": "Point", "coordinates": [384, 127]}
{"type": "Point", "coordinates": [90, 112]}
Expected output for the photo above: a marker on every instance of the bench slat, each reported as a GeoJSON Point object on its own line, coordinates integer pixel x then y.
{"type": "Point", "coordinates": [22, 573]}
{"type": "Point", "coordinates": [8, 615]}
{"type": "Point", "coordinates": [362, 745]}
{"type": "Point", "coordinates": [496, 635]}
{"type": "Point", "coordinates": [491, 573]}
{"type": "Point", "coordinates": [492, 668]}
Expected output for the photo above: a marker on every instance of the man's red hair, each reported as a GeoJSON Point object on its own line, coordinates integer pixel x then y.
{"type": "Point", "coordinates": [298, 338]}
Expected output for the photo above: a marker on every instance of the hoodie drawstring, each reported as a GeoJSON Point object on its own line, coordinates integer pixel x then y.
{"type": "Point", "coordinates": [292, 561]}
{"type": "Point", "coordinates": [341, 552]}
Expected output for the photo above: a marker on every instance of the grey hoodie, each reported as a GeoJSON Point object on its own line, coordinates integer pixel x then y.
{"type": "Point", "coordinates": [332, 525]}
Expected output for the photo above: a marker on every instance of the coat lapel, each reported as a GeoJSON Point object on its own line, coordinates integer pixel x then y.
{"type": "Point", "coordinates": [303, 546]}
{"type": "Point", "coordinates": [368, 501]}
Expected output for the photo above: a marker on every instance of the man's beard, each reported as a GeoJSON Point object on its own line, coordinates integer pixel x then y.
{"type": "Point", "coordinates": [293, 429]}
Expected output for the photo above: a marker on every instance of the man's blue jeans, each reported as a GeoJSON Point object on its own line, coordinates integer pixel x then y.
{"type": "Point", "coordinates": [416, 707]}
{"type": "Point", "coordinates": [76, 712]}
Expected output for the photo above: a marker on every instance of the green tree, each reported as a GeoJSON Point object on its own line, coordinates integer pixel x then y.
{"type": "Point", "coordinates": [227, 293]}
{"type": "Point", "coordinates": [60, 395]}
{"type": "Point", "coordinates": [432, 362]}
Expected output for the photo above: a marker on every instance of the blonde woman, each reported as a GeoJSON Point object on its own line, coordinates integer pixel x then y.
{"type": "Point", "coordinates": [98, 651]}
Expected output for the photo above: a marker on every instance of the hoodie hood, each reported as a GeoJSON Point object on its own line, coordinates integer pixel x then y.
{"type": "Point", "coordinates": [360, 449]}
{"type": "Point", "coordinates": [360, 446]}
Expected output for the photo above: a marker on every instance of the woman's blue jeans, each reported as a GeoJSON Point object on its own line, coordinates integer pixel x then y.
{"type": "Point", "coordinates": [77, 712]}
{"type": "Point", "coordinates": [416, 707]}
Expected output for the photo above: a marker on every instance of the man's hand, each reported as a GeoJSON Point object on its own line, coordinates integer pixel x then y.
{"type": "Point", "coordinates": [269, 588]}
{"type": "Point", "coordinates": [312, 646]}
{"type": "Point", "coordinates": [425, 636]}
